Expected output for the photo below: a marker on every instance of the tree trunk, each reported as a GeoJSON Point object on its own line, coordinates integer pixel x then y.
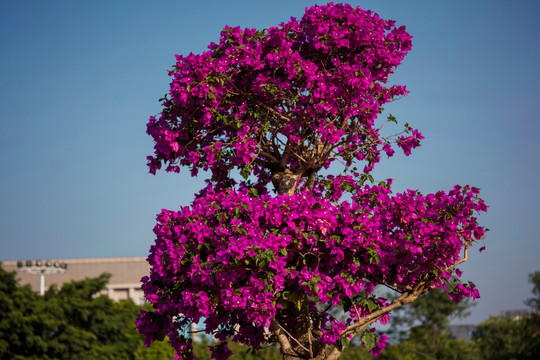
{"type": "Point", "coordinates": [285, 182]}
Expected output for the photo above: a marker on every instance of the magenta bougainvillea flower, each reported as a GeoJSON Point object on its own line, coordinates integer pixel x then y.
{"type": "Point", "coordinates": [268, 258]}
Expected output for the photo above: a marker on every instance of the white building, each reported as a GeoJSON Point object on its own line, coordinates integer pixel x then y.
{"type": "Point", "coordinates": [124, 283]}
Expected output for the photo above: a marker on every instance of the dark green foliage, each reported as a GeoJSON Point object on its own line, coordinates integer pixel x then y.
{"type": "Point", "coordinates": [356, 353]}
{"type": "Point", "coordinates": [162, 350]}
{"type": "Point", "coordinates": [503, 338]}
{"type": "Point", "coordinates": [448, 349]}
{"type": "Point", "coordinates": [534, 302]}
{"type": "Point", "coordinates": [69, 323]}
{"type": "Point", "coordinates": [515, 337]}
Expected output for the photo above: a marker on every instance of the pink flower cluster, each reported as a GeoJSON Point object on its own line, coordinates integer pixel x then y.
{"type": "Point", "coordinates": [410, 142]}
{"type": "Point", "coordinates": [239, 261]}
{"type": "Point", "coordinates": [232, 106]}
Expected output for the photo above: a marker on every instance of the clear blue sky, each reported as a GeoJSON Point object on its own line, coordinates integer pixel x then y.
{"type": "Point", "coordinates": [80, 79]}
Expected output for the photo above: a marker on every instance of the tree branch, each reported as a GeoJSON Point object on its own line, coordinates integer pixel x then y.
{"type": "Point", "coordinates": [280, 334]}
{"type": "Point", "coordinates": [282, 331]}
{"type": "Point", "coordinates": [274, 111]}
{"type": "Point", "coordinates": [334, 354]}
{"type": "Point", "coordinates": [268, 156]}
{"type": "Point", "coordinates": [465, 251]}
{"type": "Point", "coordinates": [405, 298]}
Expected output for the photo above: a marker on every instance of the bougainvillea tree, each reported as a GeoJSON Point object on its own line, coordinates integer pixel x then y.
{"type": "Point", "coordinates": [288, 240]}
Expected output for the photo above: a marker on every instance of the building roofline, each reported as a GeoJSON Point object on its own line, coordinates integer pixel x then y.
{"type": "Point", "coordinates": [82, 260]}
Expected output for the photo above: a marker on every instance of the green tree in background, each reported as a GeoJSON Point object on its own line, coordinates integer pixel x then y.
{"type": "Point", "coordinates": [427, 337]}
{"type": "Point", "coordinates": [73, 322]}
{"type": "Point", "coordinates": [160, 350]}
{"type": "Point", "coordinates": [518, 337]}
{"type": "Point", "coordinates": [534, 302]}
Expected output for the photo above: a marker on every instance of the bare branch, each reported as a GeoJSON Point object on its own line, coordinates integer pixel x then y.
{"type": "Point", "coordinates": [268, 156]}
{"type": "Point", "coordinates": [274, 111]}
{"type": "Point", "coordinates": [280, 334]}
{"type": "Point", "coordinates": [322, 353]}
{"type": "Point", "coordinates": [334, 354]}
{"type": "Point", "coordinates": [355, 308]}
{"type": "Point", "coordinates": [282, 330]}
{"type": "Point", "coordinates": [405, 298]}
{"type": "Point", "coordinates": [310, 345]}
{"type": "Point", "coordinates": [465, 253]}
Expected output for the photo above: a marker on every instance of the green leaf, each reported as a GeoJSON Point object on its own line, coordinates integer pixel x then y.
{"type": "Point", "coordinates": [343, 343]}
{"type": "Point", "coordinates": [369, 339]}
{"type": "Point", "coordinates": [372, 306]}
{"type": "Point", "coordinates": [373, 256]}
{"type": "Point", "coordinates": [261, 263]}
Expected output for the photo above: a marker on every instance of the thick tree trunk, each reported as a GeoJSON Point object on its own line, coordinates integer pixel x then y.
{"type": "Point", "coordinates": [300, 342]}
{"type": "Point", "coordinates": [285, 182]}
{"type": "Point", "coordinates": [297, 343]}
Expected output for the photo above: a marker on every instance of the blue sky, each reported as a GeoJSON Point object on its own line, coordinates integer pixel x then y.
{"type": "Point", "coordinates": [80, 79]}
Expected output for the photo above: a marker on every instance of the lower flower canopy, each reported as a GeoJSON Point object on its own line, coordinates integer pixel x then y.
{"type": "Point", "coordinates": [239, 261]}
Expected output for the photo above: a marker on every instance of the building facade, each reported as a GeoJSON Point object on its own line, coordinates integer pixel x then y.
{"type": "Point", "coordinates": [125, 281]}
